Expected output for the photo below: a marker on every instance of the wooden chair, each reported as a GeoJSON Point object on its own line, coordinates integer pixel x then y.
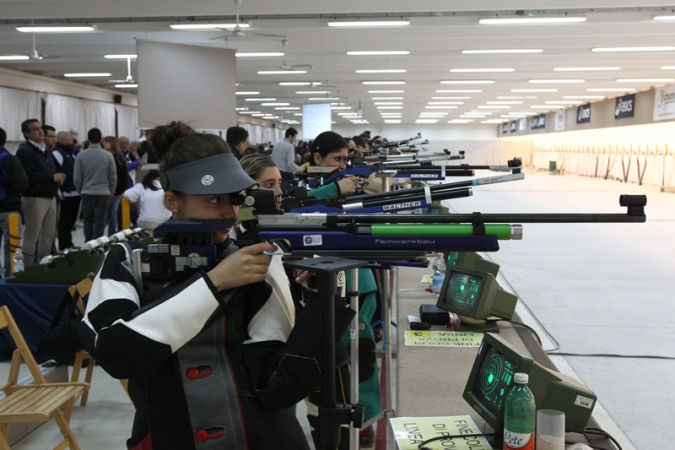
{"type": "Point", "coordinates": [78, 292]}
{"type": "Point", "coordinates": [36, 402]}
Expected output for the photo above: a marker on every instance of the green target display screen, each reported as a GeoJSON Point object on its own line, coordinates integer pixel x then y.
{"type": "Point", "coordinates": [463, 293]}
{"type": "Point", "coordinates": [493, 381]}
{"type": "Point", "coordinates": [453, 257]}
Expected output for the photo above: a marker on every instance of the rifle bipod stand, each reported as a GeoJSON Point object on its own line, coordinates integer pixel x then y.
{"type": "Point", "coordinates": [330, 276]}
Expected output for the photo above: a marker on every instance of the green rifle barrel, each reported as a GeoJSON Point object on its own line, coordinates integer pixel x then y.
{"type": "Point", "coordinates": [501, 231]}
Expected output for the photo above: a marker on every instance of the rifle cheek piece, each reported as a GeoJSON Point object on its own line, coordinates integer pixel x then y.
{"type": "Point", "coordinates": [215, 175]}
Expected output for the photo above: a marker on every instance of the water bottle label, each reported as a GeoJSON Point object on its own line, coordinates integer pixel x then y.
{"type": "Point", "coordinates": [524, 441]}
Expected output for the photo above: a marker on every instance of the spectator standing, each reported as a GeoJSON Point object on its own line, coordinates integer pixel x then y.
{"type": "Point", "coordinates": [95, 180]}
{"type": "Point", "coordinates": [283, 153]}
{"type": "Point", "coordinates": [50, 136]}
{"type": "Point", "coordinates": [13, 180]}
{"type": "Point", "coordinates": [111, 144]}
{"type": "Point", "coordinates": [70, 199]}
{"type": "Point", "coordinates": [133, 160]}
{"type": "Point", "coordinates": [237, 139]}
{"type": "Point", "coordinates": [39, 199]}
{"type": "Point", "coordinates": [149, 199]}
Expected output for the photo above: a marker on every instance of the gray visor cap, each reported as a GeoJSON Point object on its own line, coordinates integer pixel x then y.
{"type": "Point", "coordinates": [220, 174]}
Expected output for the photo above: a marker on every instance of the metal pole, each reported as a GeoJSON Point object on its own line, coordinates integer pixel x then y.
{"type": "Point", "coordinates": [354, 352]}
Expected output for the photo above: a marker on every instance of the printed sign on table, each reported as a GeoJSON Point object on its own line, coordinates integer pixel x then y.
{"type": "Point", "coordinates": [410, 432]}
{"type": "Point", "coordinates": [442, 339]}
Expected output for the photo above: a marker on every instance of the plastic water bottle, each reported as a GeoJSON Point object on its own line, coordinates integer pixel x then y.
{"type": "Point", "coordinates": [519, 415]}
{"type": "Point", "coordinates": [18, 261]}
{"type": "Point", "coordinates": [439, 274]}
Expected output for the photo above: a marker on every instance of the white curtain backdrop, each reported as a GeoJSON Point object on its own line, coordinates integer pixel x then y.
{"type": "Point", "coordinates": [66, 114]}
{"type": "Point", "coordinates": [259, 134]}
{"type": "Point", "coordinates": [127, 121]}
{"type": "Point", "coordinates": [15, 107]}
{"type": "Point", "coordinates": [99, 115]}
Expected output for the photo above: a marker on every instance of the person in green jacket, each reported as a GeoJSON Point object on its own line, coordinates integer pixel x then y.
{"type": "Point", "coordinates": [329, 149]}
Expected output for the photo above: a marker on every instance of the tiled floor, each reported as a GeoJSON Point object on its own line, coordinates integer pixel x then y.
{"type": "Point", "coordinates": [596, 288]}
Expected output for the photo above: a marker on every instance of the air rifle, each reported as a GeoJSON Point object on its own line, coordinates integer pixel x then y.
{"type": "Point", "coordinates": [436, 173]}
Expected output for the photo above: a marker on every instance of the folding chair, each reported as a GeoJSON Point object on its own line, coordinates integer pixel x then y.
{"type": "Point", "coordinates": [36, 402]}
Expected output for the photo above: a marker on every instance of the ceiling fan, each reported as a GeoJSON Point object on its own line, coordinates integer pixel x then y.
{"type": "Point", "coordinates": [129, 79]}
{"type": "Point", "coordinates": [238, 32]}
{"type": "Point", "coordinates": [34, 55]}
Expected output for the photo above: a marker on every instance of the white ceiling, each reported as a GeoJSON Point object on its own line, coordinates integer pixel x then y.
{"type": "Point", "coordinates": [438, 32]}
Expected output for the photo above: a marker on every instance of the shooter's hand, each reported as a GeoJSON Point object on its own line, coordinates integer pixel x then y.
{"type": "Point", "coordinates": [245, 266]}
{"type": "Point", "coordinates": [348, 185]}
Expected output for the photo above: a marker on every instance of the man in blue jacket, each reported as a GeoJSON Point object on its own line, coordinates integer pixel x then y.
{"type": "Point", "coordinates": [39, 199]}
{"type": "Point", "coordinates": [70, 199]}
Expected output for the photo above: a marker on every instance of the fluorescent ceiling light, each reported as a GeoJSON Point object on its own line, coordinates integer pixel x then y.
{"type": "Point", "coordinates": [426, 121]}
{"type": "Point", "coordinates": [240, 109]}
{"type": "Point", "coordinates": [534, 90]}
{"type": "Point", "coordinates": [270, 117]}
{"type": "Point", "coordinates": [451, 98]}
{"type": "Point", "coordinates": [387, 98]}
{"type": "Point", "coordinates": [504, 103]}
{"type": "Point", "coordinates": [472, 116]}
{"type": "Point", "coordinates": [359, 121]}
{"type": "Point", "coordinates": [531, 20]}
{"type": "Point", "coordinates": [645, 80]}
{"type": "Point", "coordinates": [55, 29]}
{"type": "Point", "coordinates": [494, 107]}
{"type": "Point", "coordinates": [610, 90]}
{"type": "Point", "coordinates": [457, 91]}
{"type": "Point", "coordinates": [297, 114]}
{"type": "Point", "coordinates": [337, 108]}
{"type": "Point", "coordinates": [346, 114]}
{"type": "Point", "coordinates": [323, 98]}
{"type": "Point", "coordinates": [503, 50]}
{"type": "Point", "coordinates": [445, 103]}
{"type": "Point", "coordinates": [371, 23]}
{"type": "Point", "coordinates": [299, 83]}
{"type": "Point", "coordinates": [381, 71]}
{"type": "Point", "coordinates": [517, 96]}
{"type": "Point", "coordinates": [120, 56]}
{"type": "Point", "coordinates": [564, 102]}
{"type": "Point", "coordinates": [375, 53]}
{"type": "Point", "coordinates": [585, 69]}
{"type": "Point", "coordinates": [281, 72]}
{"type": "Point", "coordinates": [389, 107]}
{"type": "Point", "coordinates": [468, 114]}
{"type": "Point", "coordinates": [257, 54]}
{"type": "Point", "coordinates": [248, 93]}
{"type": "Point", "coordinates": [206, 26]}
{"type": "Point", "coordinates": [668, 67]}
{"type": "Point", "coordinates": [392, 121]}
{"type": "Point", "coordinates": [460, 121]}
{"type": "Point", "coordinates": [250, 112]}
{"type": "Point", "coordinates": [260, 99]}
{"type": "Point", "coordinates": [492, 121]}
{"type": "Point", "coordinates": [480, 70]}
{"type": "Point", "coordinates": [467, 82]}
{"type": "Point", "coordinates": [549, 107]}
{"type": "Point", "coordinates": [86, 75]}
{"type": "Point", "coordinates": [388, 103]}
{"type": "Point", "coordinates": [441, 107]}
{"type": "Point", "coordinates": [391, 115]}
{"type": "Point", "coordinates": [287, 108]}
{"type": "Point", "coordinates": [312, 92]}
{"type": "Point", "coordinates": [514, 116]}
{"type": "Point", "coordinates": [557, 81]}
{"type": "Point", "coordinates": [587, 97]}
{"type": "Point", "coordinates": [386, 92]}
{"type": "Point", "coordinates": [434, 113]}
{"type": "Point", "coordinates": [14, 58]}
{"type": "Point", "coordinates": [384, 82]}
{"type": "Point", "coordinates": [664, 17]}
{"type": "Point", "coordinates": [126, 86]}
{"type": "Point", "coordinates": [663, 48]}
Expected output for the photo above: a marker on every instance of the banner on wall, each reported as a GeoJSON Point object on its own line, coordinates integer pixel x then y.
{"type": "Point", "coordinates": [522, 124]}
{"type": "Point", "coordinates": [584, 113]}
{"type": "Point", "coordinates": [625, 107]}
{"type": "Point", "coordinates": [514, 126]}
{"type": "Point", "coordinates": [538, 122]}
{"type": "Point", "coordinates": [505, 127]}
{"type": "Point", "coordinates": [315, 120]}
{"type": "Point", "coordinates": [664, 103]}
{"type": "Point", "coordinates": [560, 120]}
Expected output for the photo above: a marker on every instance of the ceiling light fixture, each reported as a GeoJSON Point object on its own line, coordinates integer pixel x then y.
{"type": "Point", "coordinates": [389, 107]}
{"type": "Point", "coordinates": [426, 121]}
{"type": "Point", "coordinates": [663, 48]}
{"type": "Point", "coordinates": [386, 98]}
{"type": "Point", "coordinates": [451, 98]}
{"type": "Point", "coordinates": [384, 82]}
{"type": "Point", "coordinates": [381, 71]}
{"type": "Point", "coordinates": [260, 99]}
{"type": "Point", "coordinates": [299, 83]}
{"type": "Point", "coordinates": [275, 104]}
{"type": "Point", "coordinates": [281, 72]}
{"type": "Point", "coordinates": [557, 81]}
{"type": "Point", "coordinates": [504, 103]}
{"type": "Point", "coordinates": [534, 90]}
{"type": "Point", "coordinates": [323, 98]}
{"type": "Point", "coordinates": [258, 54]}
{"type": "Point", "coordinates": [531, 20]}
{"type": "Point", "coordinates": [207, 26]}
{"type": "Point", "coordinates": [248, 93]}
{"type": "Point", "coordinates": [388, 103]}
{"type": "Point", "coordinates": [286, 108]}
{"type": "Point", "coordinates": [645, 80]}
{"type": "Point", "coordinates": [441, 107]}
{"type": "Point", "coordinates": [667, 67]}
{"type": "Point", "coordinates": [14, 58]}
{"type": "Point", "coordinates": [564, 102]}
{"type": "Point", "coordinates": [386, 92]}
{"type": "Point", "coordinates": [610, 90]}
{"type": "Point", "coordinates": [460, 121]}
{"type": "Point", "coordinates": [126, 86]}
{"type": "Point", "coordinates": [392, 121]}
{"type": "Point", "coordinates": [445, 103]}
{"type": "Point", "coordinates": [549, 107]}
{"type": "Point", "coordinates": [666, 18]}
{"type": "Point", "coordinates": [376, 53]}
{"type": "Point", "coordinates": [481, 70]}
{"type": "Point", "coordinates": [586, 97]}
{"type": "Point", "coordinates": [467, 82]}
{"type": "Point", "coordinates": [250, 112]}
{"type": "Point", "coordinates": [312, 92]}
{"type": "Point", "coordinates": [457, 91]}
{"type": "Point", "coordinates": [371, 23]}
{"type": "Point", "coordinates": [494, 107]}
{"type": "Point", "coordinates": [120, 56]}
{"type": "Point", "coordinates": [585, 69]}
{"type": "Point", "coordinates": [337, 108]}
{"type": "Point", "coordinates": [77, 29]}
{"type": "Point", "coordinates": [86, 75]}
{"type": "Point", "coordinates": [503, 50]}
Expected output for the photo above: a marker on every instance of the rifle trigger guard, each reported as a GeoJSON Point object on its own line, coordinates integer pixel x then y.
{"type": "Point", "coordinates": [478, 224]}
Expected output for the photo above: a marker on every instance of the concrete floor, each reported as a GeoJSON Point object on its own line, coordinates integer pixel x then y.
{"type": "Point", "coordinates": [596, 288]}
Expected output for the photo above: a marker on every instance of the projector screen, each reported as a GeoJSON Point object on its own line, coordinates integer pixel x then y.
{"type": "Point", "coordinates": [315, 120]}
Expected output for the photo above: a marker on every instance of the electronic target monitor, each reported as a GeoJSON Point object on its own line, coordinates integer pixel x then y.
{"type": "Point", "coordinates": [475, 295]}
{"type": "Point", "coordinates": [472, 260]}
{"type": "Point", "coordinates": [492, 377]}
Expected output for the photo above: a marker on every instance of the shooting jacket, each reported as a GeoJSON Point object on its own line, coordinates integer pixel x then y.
{"type": "Point", "coordinates": [206, 369]}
